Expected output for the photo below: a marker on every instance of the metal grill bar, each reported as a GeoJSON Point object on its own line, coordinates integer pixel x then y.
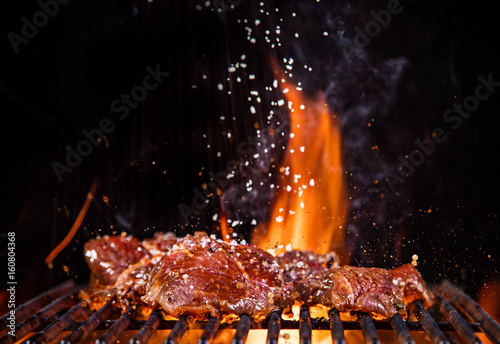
{"type": "Point", "coordinates": [489, 326]}
{"type": "Point", "coordinates": [116, 329]}
{"type": "Point", "coordinates": [177, 332]}
{"type": "Point", "coordinates": [438, 323]}
{"type": "Point", "coordinates": [60, 325]}
{"type": "Point", "coordinates": [428, 324]}
{"type": "Point", "coordinates": [32, 306]}
{"type": "Point", "coordinates": [273, 330]}
{"type": "Point", "coordinates": [89, 325]}
{"type": "Point", "coordinates": [336, 327]}
{"type": "Point", "coordinates": [457, 322]}
{"type": "Point", "coordinates": [369, 330]}
{"type": "Point", "coordinates": [147, 329]}
{"type": "Point", "coordinates": [305, 327]}
{"type": "Point", "coordinates": [209, 332]}
{"type": "Point", "coordinates": [43, 316]}
{"type": "Point", "coordinates": [402, 332]}
{"type": "Point", "coordinates": [242, 330]}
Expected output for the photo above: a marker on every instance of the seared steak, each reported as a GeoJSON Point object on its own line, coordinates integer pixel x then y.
{"type": "Point", "coordinates": [412, 285]}
{"type": "Point", "coordinates": [349, 288]}
{"type": "Point", "coordinates": [203, 277]}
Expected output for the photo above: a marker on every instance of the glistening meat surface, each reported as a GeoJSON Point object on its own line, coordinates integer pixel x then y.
{"type": "Point", "coordinates": [203, 277]}
{"type": "Point", "coordinates": [412, 285]}
{"type": "Point", "coordinates": [120, 266]}
{"type": "Point", "coordinates": [349, 288]}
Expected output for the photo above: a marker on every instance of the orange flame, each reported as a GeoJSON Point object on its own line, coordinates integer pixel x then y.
{"type": "Point", "coordinates": [310, 207]}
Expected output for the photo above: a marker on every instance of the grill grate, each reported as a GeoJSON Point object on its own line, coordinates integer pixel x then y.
{"type": "Point", "coordinates": [45, 317]}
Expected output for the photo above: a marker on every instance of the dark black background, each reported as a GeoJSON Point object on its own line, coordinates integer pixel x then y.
{"type": "Point", "coordinates": [64, 80]}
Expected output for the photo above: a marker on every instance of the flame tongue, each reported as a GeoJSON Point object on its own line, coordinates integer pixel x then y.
{"type": "Point", "coordinates": [310, 207]}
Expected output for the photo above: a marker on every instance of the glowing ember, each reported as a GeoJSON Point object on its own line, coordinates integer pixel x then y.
{"type": "Point", "coordinates": [310, 207]}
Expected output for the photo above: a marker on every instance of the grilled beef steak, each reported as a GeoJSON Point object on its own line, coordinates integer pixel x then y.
{"type": "Point", "coordinates": [121, 266]}
{"type": "Point", "coordinates": [349, 288]}
{"type": "Point", "coordinates": [108, 256]}
{"type": "Point", "coordinates": [412, 285]}
{"type": "Point", "coordinates": [203, 277]}
{"type": "Point", "coordinates": [298, 265]}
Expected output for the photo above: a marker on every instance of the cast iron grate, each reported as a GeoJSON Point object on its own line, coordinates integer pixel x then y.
{"type": "Point", "coordinates": [57, 311]}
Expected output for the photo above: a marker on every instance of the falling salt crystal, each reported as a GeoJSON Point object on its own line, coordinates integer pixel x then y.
{"type": "Point", "coordinates": [302, 204]}
{"type": "Point", "coordinates": [281, 102]}
{"type": "Point", "coordinates": [231, 69]}
{"type": "Point", "coordinates": [218, 154]}
{"type": "Point", "coordinates": [280, 210]}
{"type": "Point", "coordinates": [243, 56]}
{"type": "Point", "coordinates": [292, 150]}
{"type": "Point", "coordinates": [286, 90]}
{"type": "Point", "coordinates": [291, 212]}
{"type": "Point", "coordinates": [325, 33]}
{"type": "Point", "coordinates": [254, 222]}
{"type": "Point", "coordinates": [279, 219]}
{"type": "Point", "coordinates": [252, 110]}
{"type": "Point", "coordinates": [198, 7]}
{"type": "Point", "coordinates": [257, 21]}
{"type": "Point", "coordinates": [214, 218]}
{"type": "Point", "coordinates": [311, 182]}
{"type": "Point", "coordinates": [288, 188]}
{"type": "Point", "coordinates": [275, 83]}
{"type": "Point", "coordinates": [220, 87]}
{"type": "Point", "coordinates": [207, 3]}
{"type": "Point", "coordinates": [251, 76]}
{"type": "Point", "coordinates": [302, 107]}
